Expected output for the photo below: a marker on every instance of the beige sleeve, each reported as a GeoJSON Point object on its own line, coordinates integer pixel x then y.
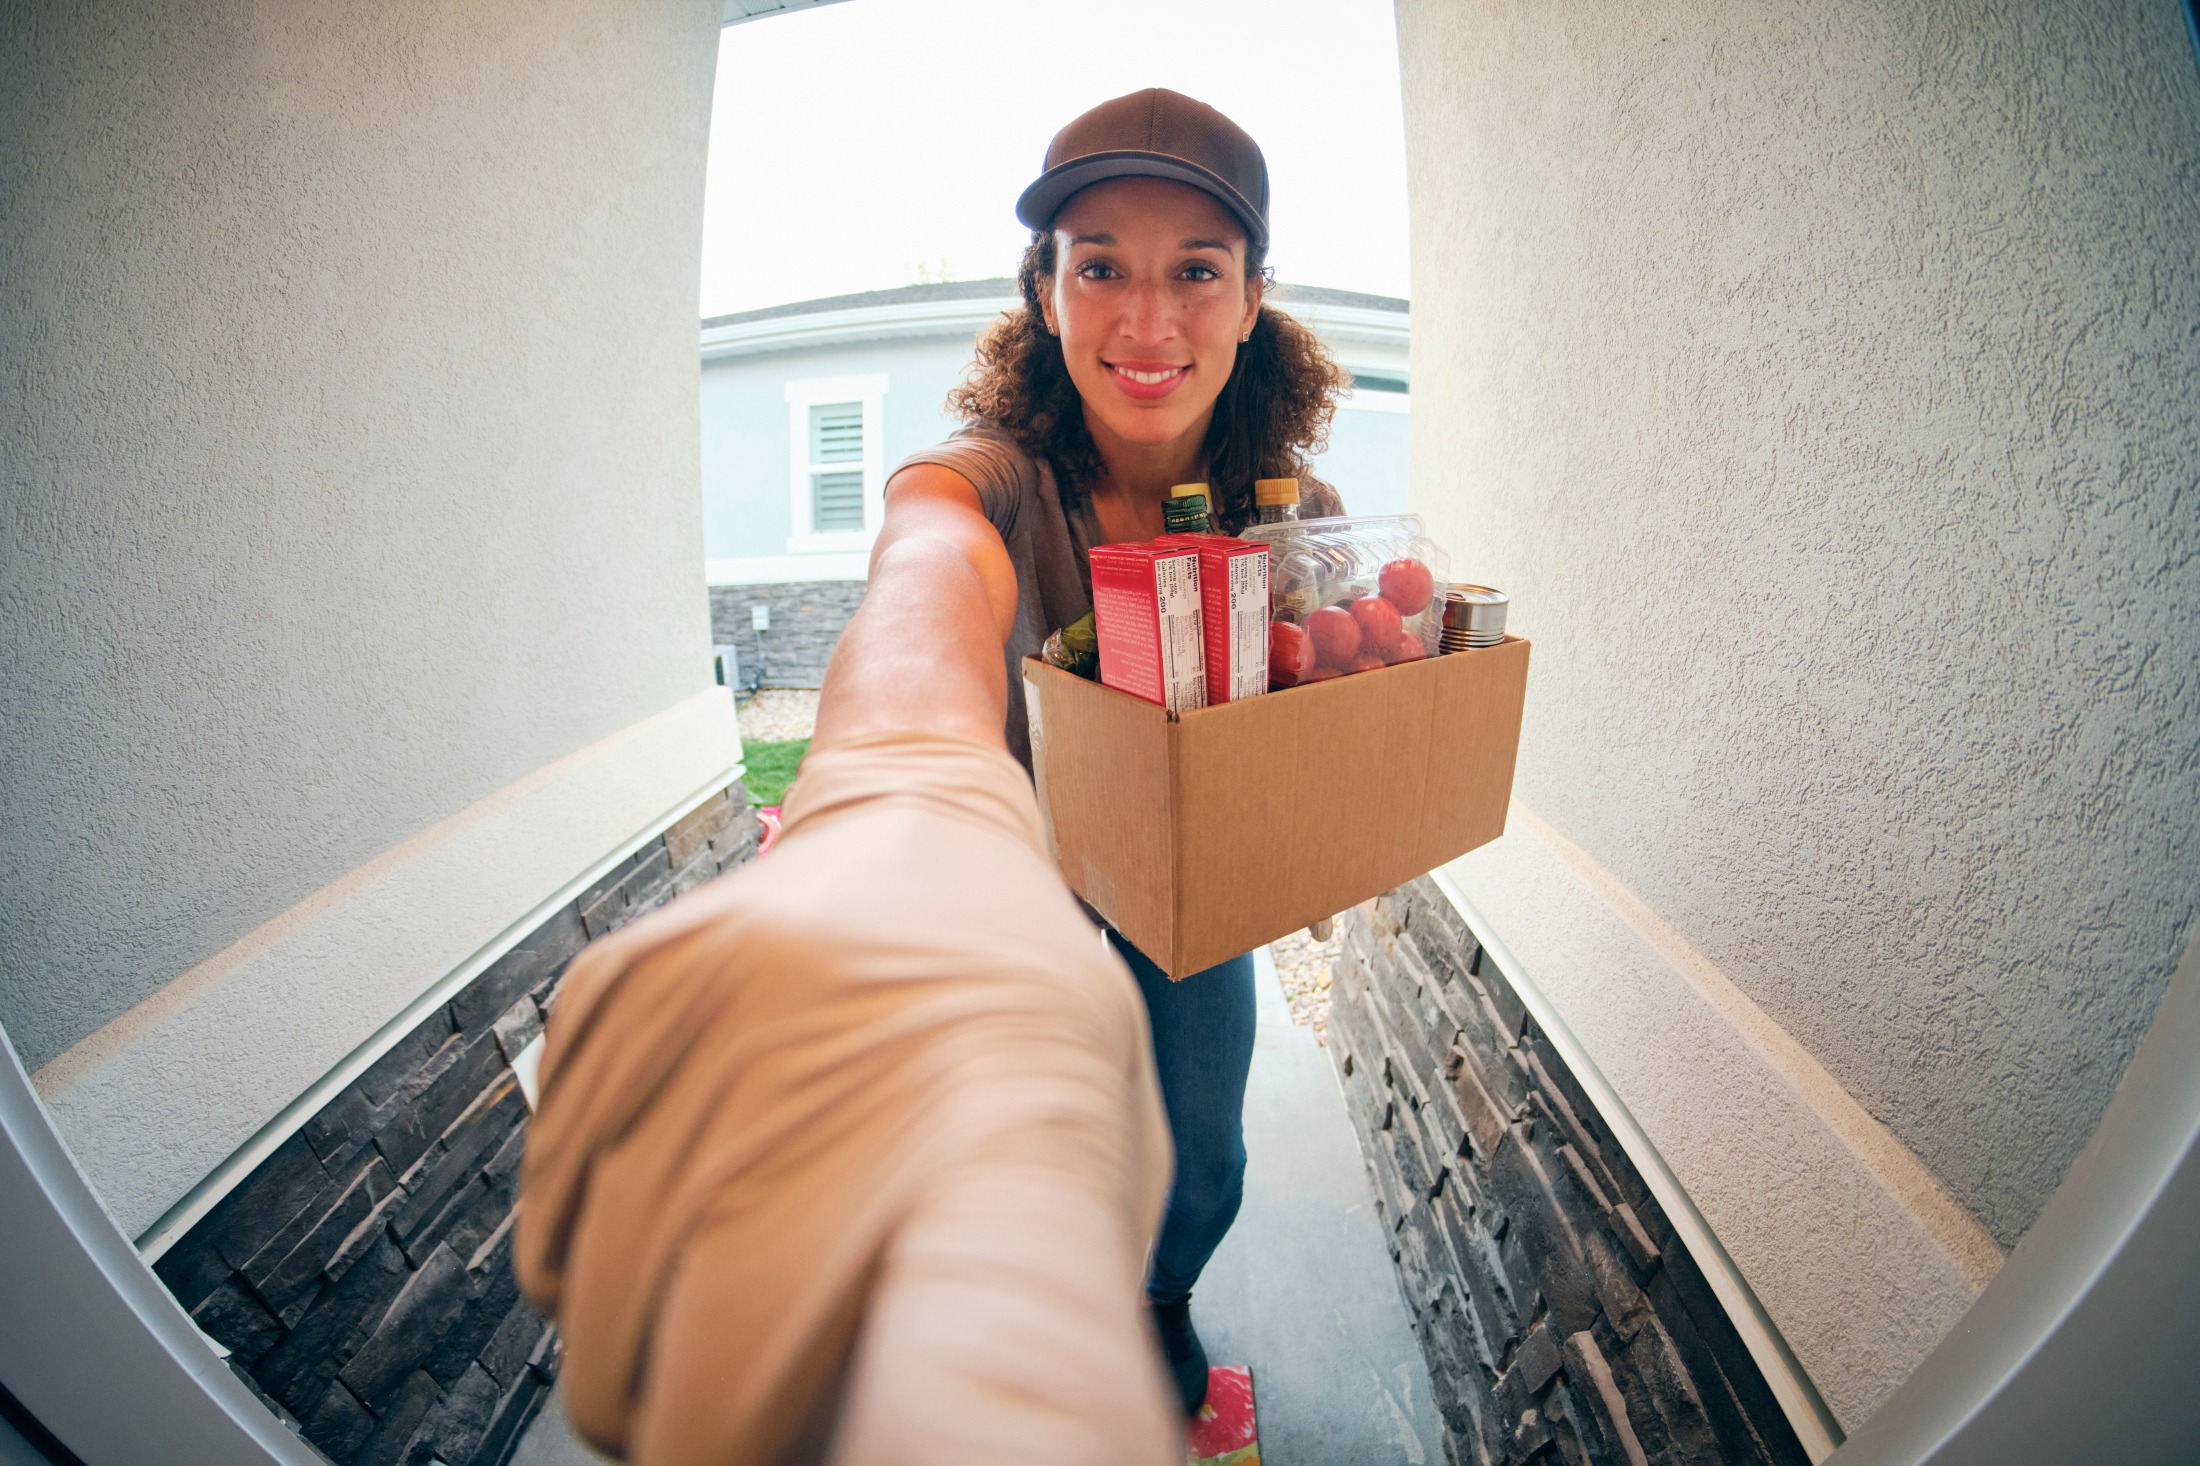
{"type": "Point", "coordinates": [856, 1154]}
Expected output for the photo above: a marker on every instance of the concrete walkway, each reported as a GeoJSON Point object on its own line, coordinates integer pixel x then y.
{"type": "Point", "coordinates": [1302, 1290]}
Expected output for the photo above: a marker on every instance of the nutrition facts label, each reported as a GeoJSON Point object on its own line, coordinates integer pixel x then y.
{"type": "Point", "coordinates": [1248, 649]}
{"type": "Point", "coordinates": [1183, 659]}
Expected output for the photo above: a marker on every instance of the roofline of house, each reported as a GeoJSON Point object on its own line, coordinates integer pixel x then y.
{"type": "Point", "coordinates": [965, 307]}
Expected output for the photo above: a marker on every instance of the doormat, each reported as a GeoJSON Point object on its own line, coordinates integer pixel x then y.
{"type": "Point", "coordinates": [1226, 1432]}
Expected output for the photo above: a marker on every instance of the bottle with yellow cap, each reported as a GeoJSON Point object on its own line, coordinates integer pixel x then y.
{"type": "Point", "coordinates": [1186, 511]}
{"type": "Point", "coordinates": [1275, 500]}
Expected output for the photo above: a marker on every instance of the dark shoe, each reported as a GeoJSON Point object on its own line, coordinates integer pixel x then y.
{"type": "Point", "coordinates": [1181, 1348]}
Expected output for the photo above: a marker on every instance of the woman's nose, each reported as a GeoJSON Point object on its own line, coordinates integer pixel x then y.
{"type": "Point", "coordinates": [1149, 316]}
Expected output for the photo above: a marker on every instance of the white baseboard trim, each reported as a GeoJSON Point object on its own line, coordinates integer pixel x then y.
{"type": "Point", "coordinates": [1862, 1261]}
{"type": "Point", "coordinates": [1806, 1412]}
{"type": "Point", "coordinates": [190, 1085]}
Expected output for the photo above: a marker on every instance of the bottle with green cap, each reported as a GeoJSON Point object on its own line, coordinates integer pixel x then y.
{"type": "Point", "coordinates": [1186, 511]}
{"type": "Point", "coordinates": [1275, 500]}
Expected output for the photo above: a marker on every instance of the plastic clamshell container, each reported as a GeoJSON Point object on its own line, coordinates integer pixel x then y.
{"type": "Point", "coordinates": [1327, 562]}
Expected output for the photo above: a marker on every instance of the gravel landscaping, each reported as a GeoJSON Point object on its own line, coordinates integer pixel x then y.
{"type": "Point", "coordinates": [1304, 965]}
{"type": "Point", "coordinates": [779, 715]}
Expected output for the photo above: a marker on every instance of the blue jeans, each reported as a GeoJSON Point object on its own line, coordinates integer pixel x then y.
{"type": "Point", "coordinates": [1203, 1046]}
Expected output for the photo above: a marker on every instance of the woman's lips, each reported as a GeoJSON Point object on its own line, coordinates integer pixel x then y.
{"type": "Point", "coordinates": [1146, 380]}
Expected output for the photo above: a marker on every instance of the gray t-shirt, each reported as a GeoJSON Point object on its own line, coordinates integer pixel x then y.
{"type": "Point", "coordinates": [1047, 544]}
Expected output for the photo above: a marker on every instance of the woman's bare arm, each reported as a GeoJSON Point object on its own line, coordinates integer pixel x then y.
{"type": "Point", "coordinates": [923, 653]}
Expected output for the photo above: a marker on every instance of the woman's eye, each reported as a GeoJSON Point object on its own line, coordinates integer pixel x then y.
{"type": "Point", "coordinates": [1198, 271]}
{"type": "Point", "coordinates": [1096, 270]}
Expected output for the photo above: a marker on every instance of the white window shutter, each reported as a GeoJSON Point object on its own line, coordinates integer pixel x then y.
{"type": "Point", "coordinates": [836, 433]}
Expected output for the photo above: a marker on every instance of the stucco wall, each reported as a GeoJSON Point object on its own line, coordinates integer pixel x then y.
{"type": "Point", "coordinates": [347, 380]}
{"type": "Point", "coordinates": [1822, 382]}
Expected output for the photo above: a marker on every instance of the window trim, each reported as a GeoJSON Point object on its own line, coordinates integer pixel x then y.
{"type": "Point", "coordinates": [802, 394]}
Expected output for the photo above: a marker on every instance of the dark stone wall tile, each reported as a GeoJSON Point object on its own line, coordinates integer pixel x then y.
{"type": "Point", "coordinates": [193, 1268]}
{"type": "Point", "coordinates": [233, 1318]}
{"type": "Point", "coordinates": [338, 1426]}
{"type": "Point", "coordinates": [428, 1305]}
{"type": "Point", "coordinates": [372, 1228]}
{"type": "Point", "coordinates": [460, 1088]}
{"type": "Point", "coordinates": [361, 1277]}
{"type": "Point", "coordinates": [807, 619]}
{"type": "Point", "coordinates": [522, 1398]}
{"type": "Point", "coordinates": [641, 890]}
{"type": "Point", "coordinates": [1609, 1430]}
{"type": "Point", "coordinates": [331, 1331]}
{"type": "Point", "coordinates": [485, 1220]}
{"type": "Point", "coordinates": [1559, 1316]}
{"type": "Point", "coordinates": [402, 1133]}
{"type": "Point", "coordinates": [1505, 1007]}
{"type": "Point", "coordinates": [513, 1341]}
{"type": "Point", "coordinates": [339, 1132]}
{"type": "Point", "coordinates": [389, 1075]}
{"type": "Point", "coordinates": [518, 1026]}
{"type": "Point", "coordinates": [400, 1423]}
{"type": "Point", "coordinates": [285, 1185]}
{"type": "Point", "coordinates": [691, 835]}
{"type": "Point", "coordinates": [458, 1155]}
{"type": "Point", "coordinates": [536, 961]}
{"type": "Point", "coordinates": [286, 1271]}
{"type": "Point", "coordinates": [462, 1070]}
{"type": "Point", "coordinates": [1536, 1359]}
{"type": "Point", "coordinates": [493, 1294]}
{"type": "Point", "coordinates": [606, 883]}
{"type": "Point", "coordinates": [455, 1427]}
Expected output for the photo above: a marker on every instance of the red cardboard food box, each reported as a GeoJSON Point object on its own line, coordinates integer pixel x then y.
{"type": "Point", "coordinates": [1202, 835]}
{"type": "Point", "coordinates": [1233, 602]}
{"type": "Point", "coordinates": [1146, 616]}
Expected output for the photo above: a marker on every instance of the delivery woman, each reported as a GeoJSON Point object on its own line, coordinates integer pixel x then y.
{"type": "Point", "coordinates": [1142, 357]}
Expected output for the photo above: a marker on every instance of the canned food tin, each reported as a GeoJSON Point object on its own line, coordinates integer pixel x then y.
{"type": "Point", "coordinates": [1474, 616]}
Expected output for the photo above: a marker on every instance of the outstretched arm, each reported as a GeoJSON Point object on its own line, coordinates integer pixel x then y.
{"type": "Point", "coordinates": [923, 654]}
{"type": "Point", "coordinates": [862, 1144]}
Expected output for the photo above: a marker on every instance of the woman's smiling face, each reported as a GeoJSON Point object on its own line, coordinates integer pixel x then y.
{"type": "Point", "coordinates": [1150, 297]}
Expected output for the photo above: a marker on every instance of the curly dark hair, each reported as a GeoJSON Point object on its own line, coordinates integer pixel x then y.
{"type": "Point", "coordinates": [1273, 414]}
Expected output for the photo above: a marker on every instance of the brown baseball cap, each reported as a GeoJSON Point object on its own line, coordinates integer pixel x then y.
{"type": "Point", "coordinates": [1155, 133]}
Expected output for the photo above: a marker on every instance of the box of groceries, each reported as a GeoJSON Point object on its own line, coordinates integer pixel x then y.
{"type": "Point", "coordinates": [1382, 746]}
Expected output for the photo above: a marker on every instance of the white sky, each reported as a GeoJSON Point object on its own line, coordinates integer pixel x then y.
{"type": "Point", "coordinates": [852, 144]}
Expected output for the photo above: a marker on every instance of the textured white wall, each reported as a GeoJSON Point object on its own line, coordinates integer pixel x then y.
{"type": "Point", "coordinates": [1822, 380]}
{"type": "Point", "coordinates": [348, 392]}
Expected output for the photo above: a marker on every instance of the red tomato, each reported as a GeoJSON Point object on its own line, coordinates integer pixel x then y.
{"type": "Point", "coordinates": [1380, 624]}
{"type": "Point", "coordinates": [1290, 654]}
{"type": "Point", "coordinates": [1323, 674]}
{"type": "Point", "coordinates": [1407, 585]}
{"type": "Point", "coordinates": [1407, 648]}
{"type": "Point", "coordinates": [1367, 662]}
{"type": "Point", "coordinates": [1336, 637]}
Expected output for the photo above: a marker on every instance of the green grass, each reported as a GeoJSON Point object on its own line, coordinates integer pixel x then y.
{"type": "Point", "coordinates": [771, 768]}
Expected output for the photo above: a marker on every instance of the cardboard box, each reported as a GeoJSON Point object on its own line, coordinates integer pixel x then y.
{"type": "Point", "coordinates": [1146, 616]}
{"type": "Point", "coordinates": [1205, 835]}
{"type": "Point", "coordinates": [1233, 607]}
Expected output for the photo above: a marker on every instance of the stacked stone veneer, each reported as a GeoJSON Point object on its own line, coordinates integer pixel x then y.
{"type": "Point", "coordinates": [807, 619]}
{"type": "Point", "coordinates": [1561, 1317]}
{"type": "Point", "coordinates": [361, 1278]}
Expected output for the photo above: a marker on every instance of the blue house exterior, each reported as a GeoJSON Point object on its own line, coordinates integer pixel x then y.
{"type": "Point", "coordinates": [807, 407]}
